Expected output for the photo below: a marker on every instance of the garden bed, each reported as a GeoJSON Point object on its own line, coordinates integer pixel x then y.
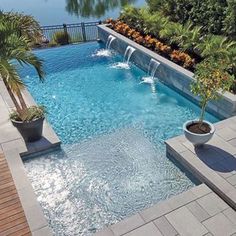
{"type": "Point", "coordinates": [157, 45]}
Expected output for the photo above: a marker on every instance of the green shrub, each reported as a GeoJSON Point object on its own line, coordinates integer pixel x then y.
{"type": "Point", "coordinates": [230, 19]}
{"type": "Point", "coordinates": [207, 13]}
{"type": "Point", "coordinates": [185, 36]}
{"type": "Point", "coordinates": [216, 46]}
{"type": "Point", "coordinates": [31, 113]}
{"type": "Point", "coordinates": [177, 10]}
{"type": "Point", "coordinates": [152, 23]}
{"type": "Point", "coordinates": [61, 38]}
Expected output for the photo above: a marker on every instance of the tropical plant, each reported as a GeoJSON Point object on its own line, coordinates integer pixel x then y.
{"type": "Point", "coordinates": [61, 38]}
{"type": "Point", "coordinates": [184, 35]}
{"type": "Point", "coordinates": [25, 25]}
{"type": "Point", "coordinates": [15, 50]}
{"type": "Point", "coordinates": [152, 23]}
{"type": "Point", "coordinates": [168, 31]}
{"type": "Point", "coordinates": [32, 113]}
{"type": "Point", "coordinates": [211, 77]}
{"type": "Point", "coordinates": [187, 36]}
{"type": "Point", "coordinates": [215, 46]}
{"type": "Point", "coordinates": [131, 16]}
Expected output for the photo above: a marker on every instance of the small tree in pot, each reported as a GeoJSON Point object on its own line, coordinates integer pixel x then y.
{"type": "Point", "coordinates": [17, 35]}
{"type": "Point", "coordinates": [211, 80]}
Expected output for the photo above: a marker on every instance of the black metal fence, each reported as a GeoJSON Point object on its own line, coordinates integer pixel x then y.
{"type": "Point", "coordinates": [79, 32]}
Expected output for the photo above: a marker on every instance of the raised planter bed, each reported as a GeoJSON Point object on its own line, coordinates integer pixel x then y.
{"type": "Point", "coordinates": [168, 72]}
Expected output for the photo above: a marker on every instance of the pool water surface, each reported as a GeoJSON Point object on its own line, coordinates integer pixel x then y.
{"type": "Point", "coordinates": [112, 163]}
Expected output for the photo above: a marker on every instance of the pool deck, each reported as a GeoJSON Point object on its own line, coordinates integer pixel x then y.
{"type": "Point", "coordinates": [213, 163]}
{"type": "Point", "coordinates": [196, 212]}
{"type": "Point", "coordinates": [14, 149]}
{"type": "Point", "coordinates": [12, 217]}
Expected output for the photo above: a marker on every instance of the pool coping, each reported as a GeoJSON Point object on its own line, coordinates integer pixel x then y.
{"type": "Point", "coordinates": [16, 150]}
{"type": "Point", "coordinates": [213, 163]}
{"type": "Point", "coordinates": [193, 212]}
{"type": "Point", "coordinates": [223, 108]}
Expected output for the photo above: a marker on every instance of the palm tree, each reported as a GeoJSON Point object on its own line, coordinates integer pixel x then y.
{"type": "Point", "coordinates": [24, 24]}
{"type": "Point", "coordinates": [185, 36]}
{"type": "Point", "coordinates": [17, 36]}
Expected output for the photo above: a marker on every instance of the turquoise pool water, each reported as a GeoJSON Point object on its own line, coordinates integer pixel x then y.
{"type": "Point", "coordinates": [112, 163]}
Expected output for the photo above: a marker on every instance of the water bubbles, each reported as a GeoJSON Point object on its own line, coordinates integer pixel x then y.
{"type": "Point", "coordinates": [120, 65]}
{"type": "Point", "coordinates": [102, 53]}
{"type": "Point", "coordinates": [148, 80]}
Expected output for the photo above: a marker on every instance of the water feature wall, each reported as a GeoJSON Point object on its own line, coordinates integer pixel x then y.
{"type": "Point", "coordinates": [168, 72]}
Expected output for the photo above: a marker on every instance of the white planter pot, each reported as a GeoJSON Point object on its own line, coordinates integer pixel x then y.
{"type": "Point", "coordinates": [198, 139]}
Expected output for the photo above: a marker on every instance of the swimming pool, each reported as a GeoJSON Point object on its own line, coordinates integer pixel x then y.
{"type": "Point", "coordinates": [112, 163]}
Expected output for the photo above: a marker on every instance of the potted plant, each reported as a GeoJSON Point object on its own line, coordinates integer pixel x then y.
{"type": "Point", "coordinates": [18, 34]}
{"type": "Point", "coordinates": [211, 80]}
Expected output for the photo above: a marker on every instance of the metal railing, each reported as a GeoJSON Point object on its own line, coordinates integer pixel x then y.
{"type": "Point", "coordinates": [79, 32]}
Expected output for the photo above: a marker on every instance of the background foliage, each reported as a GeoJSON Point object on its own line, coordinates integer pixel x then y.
{"type": "Point", "coordinates": [215, 16]}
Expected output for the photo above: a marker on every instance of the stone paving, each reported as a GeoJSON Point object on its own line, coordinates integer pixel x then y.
{"type": "Point", "coordinates": [213, 163]}
{"type": "Point", "coordinates": [196, 212]}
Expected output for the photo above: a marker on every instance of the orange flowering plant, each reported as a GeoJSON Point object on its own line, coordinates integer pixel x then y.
{"type": "Point", "coordinates": [183, 58]}
{"type": "Point", "coordinates": [211, 79]}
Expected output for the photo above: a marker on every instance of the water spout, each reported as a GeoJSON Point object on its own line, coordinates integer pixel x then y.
{"type": "Point", "coordinates": [110, 39]}
{"type": "Point", "coordinates": [150, 78]}
{"type": "Point", "coordinates": [152, 68]}
{"type": "Point", "coordinates": [125, 64]}
{"type": "Point", "coordinates": [107, 51]}
{"type": "Point", "coordinates": [128, 53]}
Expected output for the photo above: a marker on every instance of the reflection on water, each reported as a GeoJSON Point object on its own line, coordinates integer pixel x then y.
{"type": "Point", "coordinates": [94, 8]}
{"type": "Point", "coordinates": [49, 12]}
